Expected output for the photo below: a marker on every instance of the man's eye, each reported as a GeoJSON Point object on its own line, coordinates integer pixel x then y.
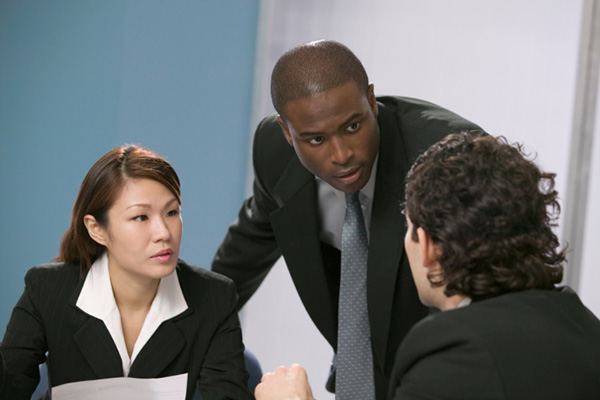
{"type": "Point", "coordinates": [141, 217]}
{"type": "Point", "coordinates": [354, 127]}
{"type": "Point", "coordinates": [316, 140]}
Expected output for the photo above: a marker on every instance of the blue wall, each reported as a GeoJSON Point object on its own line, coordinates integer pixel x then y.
{"type": "Point", "coordinates": [78, 78]}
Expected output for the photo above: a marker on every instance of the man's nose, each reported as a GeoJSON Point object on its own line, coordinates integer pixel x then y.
{"type": "Point", "coordinates": [341, 151]}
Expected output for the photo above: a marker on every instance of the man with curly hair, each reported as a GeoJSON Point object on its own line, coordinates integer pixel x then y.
{"type": "Point", "coordinates": [480, 217]}
{"type": "Point", "coordinates": [481, 248]}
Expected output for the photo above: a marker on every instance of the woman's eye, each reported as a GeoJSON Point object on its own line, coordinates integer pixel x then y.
{"type": "Point", "coordinates": [173, 213]}
{"type": "Point", "coordinates": [140, 218]}
{"type": "Point", "coordinates": [354, 127]}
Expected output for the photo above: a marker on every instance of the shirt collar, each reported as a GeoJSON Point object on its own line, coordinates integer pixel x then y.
{"type": "Point", "coordinates": [466, 301]}
{"type": "Point", "coordinates": [97, 298]}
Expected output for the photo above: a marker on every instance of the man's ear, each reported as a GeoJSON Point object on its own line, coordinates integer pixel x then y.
{"type": "Point", "coordinates": [373, 100]}
{"type": "Point", "coordinates": [285, 129]}
{"type": "Point", "coordinates": [430, 253]}
{"type": "Point", "coordinates": [96, 232]}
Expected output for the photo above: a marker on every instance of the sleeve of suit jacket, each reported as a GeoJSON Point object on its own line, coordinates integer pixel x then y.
{"type": "Point", "coordinates": [223, 375]}
{"type": "Point", "coordinates": [2, 373]}
{"type": "Point", "coordinates": [443, 359]}
{"type": "Point", "coordinates": [24, 345]}
{"type": "Point", "coordinates": [249, 249]}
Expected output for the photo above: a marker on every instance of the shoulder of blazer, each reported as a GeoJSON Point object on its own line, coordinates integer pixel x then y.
{"type": "Point", "coordinates": [419, 124]}
{"type": "Point", "coordinates": [58, 268]}
{"type": "Point", "coordinates": [51, 277]}
{"type": "Point", "coordinates": [201, 275]}
{"type": "Point", "coordinates": [421, 113]}
{"type": "Point", "coordinates": [199, 284]}
{"type": "Point", "coordinates": [54, 283]}
{"type": "Point", "coordinates": [271, 152]}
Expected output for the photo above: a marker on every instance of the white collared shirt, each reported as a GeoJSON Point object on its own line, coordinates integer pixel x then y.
{"type": "Point", "coordinates": [97, 299]}
{"type": "Point", "coordinates": [332, 208]}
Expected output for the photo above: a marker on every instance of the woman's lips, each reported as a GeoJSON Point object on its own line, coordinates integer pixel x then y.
{"type": "Point", "coordinates": [163, 255]}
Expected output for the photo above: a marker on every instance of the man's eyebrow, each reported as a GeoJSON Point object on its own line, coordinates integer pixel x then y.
{"type": "Point", "coordinates": [350, 119]}
{"type": "Point", "coordinates": [309, 133]}
{"type": "Point", "coordinates": [346, 122]}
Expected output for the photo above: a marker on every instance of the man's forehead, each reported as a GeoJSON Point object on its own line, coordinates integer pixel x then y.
{"type": "Point", "coordinates": [338, 105]}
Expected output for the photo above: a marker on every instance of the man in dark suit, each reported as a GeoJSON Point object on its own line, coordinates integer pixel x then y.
{"type": "Point", "coordinates": [482, 249]}
{"type": "Point", "coordinates": [333, 136]}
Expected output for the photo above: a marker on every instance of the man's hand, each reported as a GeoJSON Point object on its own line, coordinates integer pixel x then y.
{"type": "Point", "coordinates": [284, 384]}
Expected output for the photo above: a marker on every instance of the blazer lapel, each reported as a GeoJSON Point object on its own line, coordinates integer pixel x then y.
{"type": "Point", "coordinates": [296, 226]}
{"type": "Point", "coordinates": [387, 231]}
{"type": "Point", "coordinates": [96, 345]}
{"type": "Point", "coordinates": [162, 348]}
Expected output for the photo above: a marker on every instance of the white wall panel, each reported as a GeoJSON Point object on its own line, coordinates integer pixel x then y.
{"type": "Point", "coordinates": [590, 274]}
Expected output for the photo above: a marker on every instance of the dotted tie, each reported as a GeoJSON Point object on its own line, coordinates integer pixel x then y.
{"type": "Point", "coordinates": [354, 359]}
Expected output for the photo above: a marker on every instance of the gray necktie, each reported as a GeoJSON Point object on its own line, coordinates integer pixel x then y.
{"type": "Point", "coordinates": [354, 359]}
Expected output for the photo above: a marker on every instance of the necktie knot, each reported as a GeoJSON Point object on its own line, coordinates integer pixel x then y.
{"type": "Point", "coordinates": [353, 229]}
{"type": "Point", "coordinates": [351, 198]}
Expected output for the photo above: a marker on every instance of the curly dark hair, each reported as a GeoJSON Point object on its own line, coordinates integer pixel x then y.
{"type": "Point", "coordinates": [491, 211]}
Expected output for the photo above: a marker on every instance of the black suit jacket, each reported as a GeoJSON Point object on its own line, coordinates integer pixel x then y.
{"type": "Point", "coordinates": [535, 344]}
{"type": "Point", "coordinates": [204, 341]}
{"type": "Point", "coordinates": [2, 373]}
{"type": "Point", "coordinates": [281, 218]}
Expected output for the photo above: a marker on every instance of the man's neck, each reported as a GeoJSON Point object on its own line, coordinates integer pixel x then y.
{"type": "Point", "coordinates": [452, 302]}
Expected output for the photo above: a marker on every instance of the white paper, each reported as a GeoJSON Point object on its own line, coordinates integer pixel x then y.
{"type": "Point", "coordinates": [169, 388]}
